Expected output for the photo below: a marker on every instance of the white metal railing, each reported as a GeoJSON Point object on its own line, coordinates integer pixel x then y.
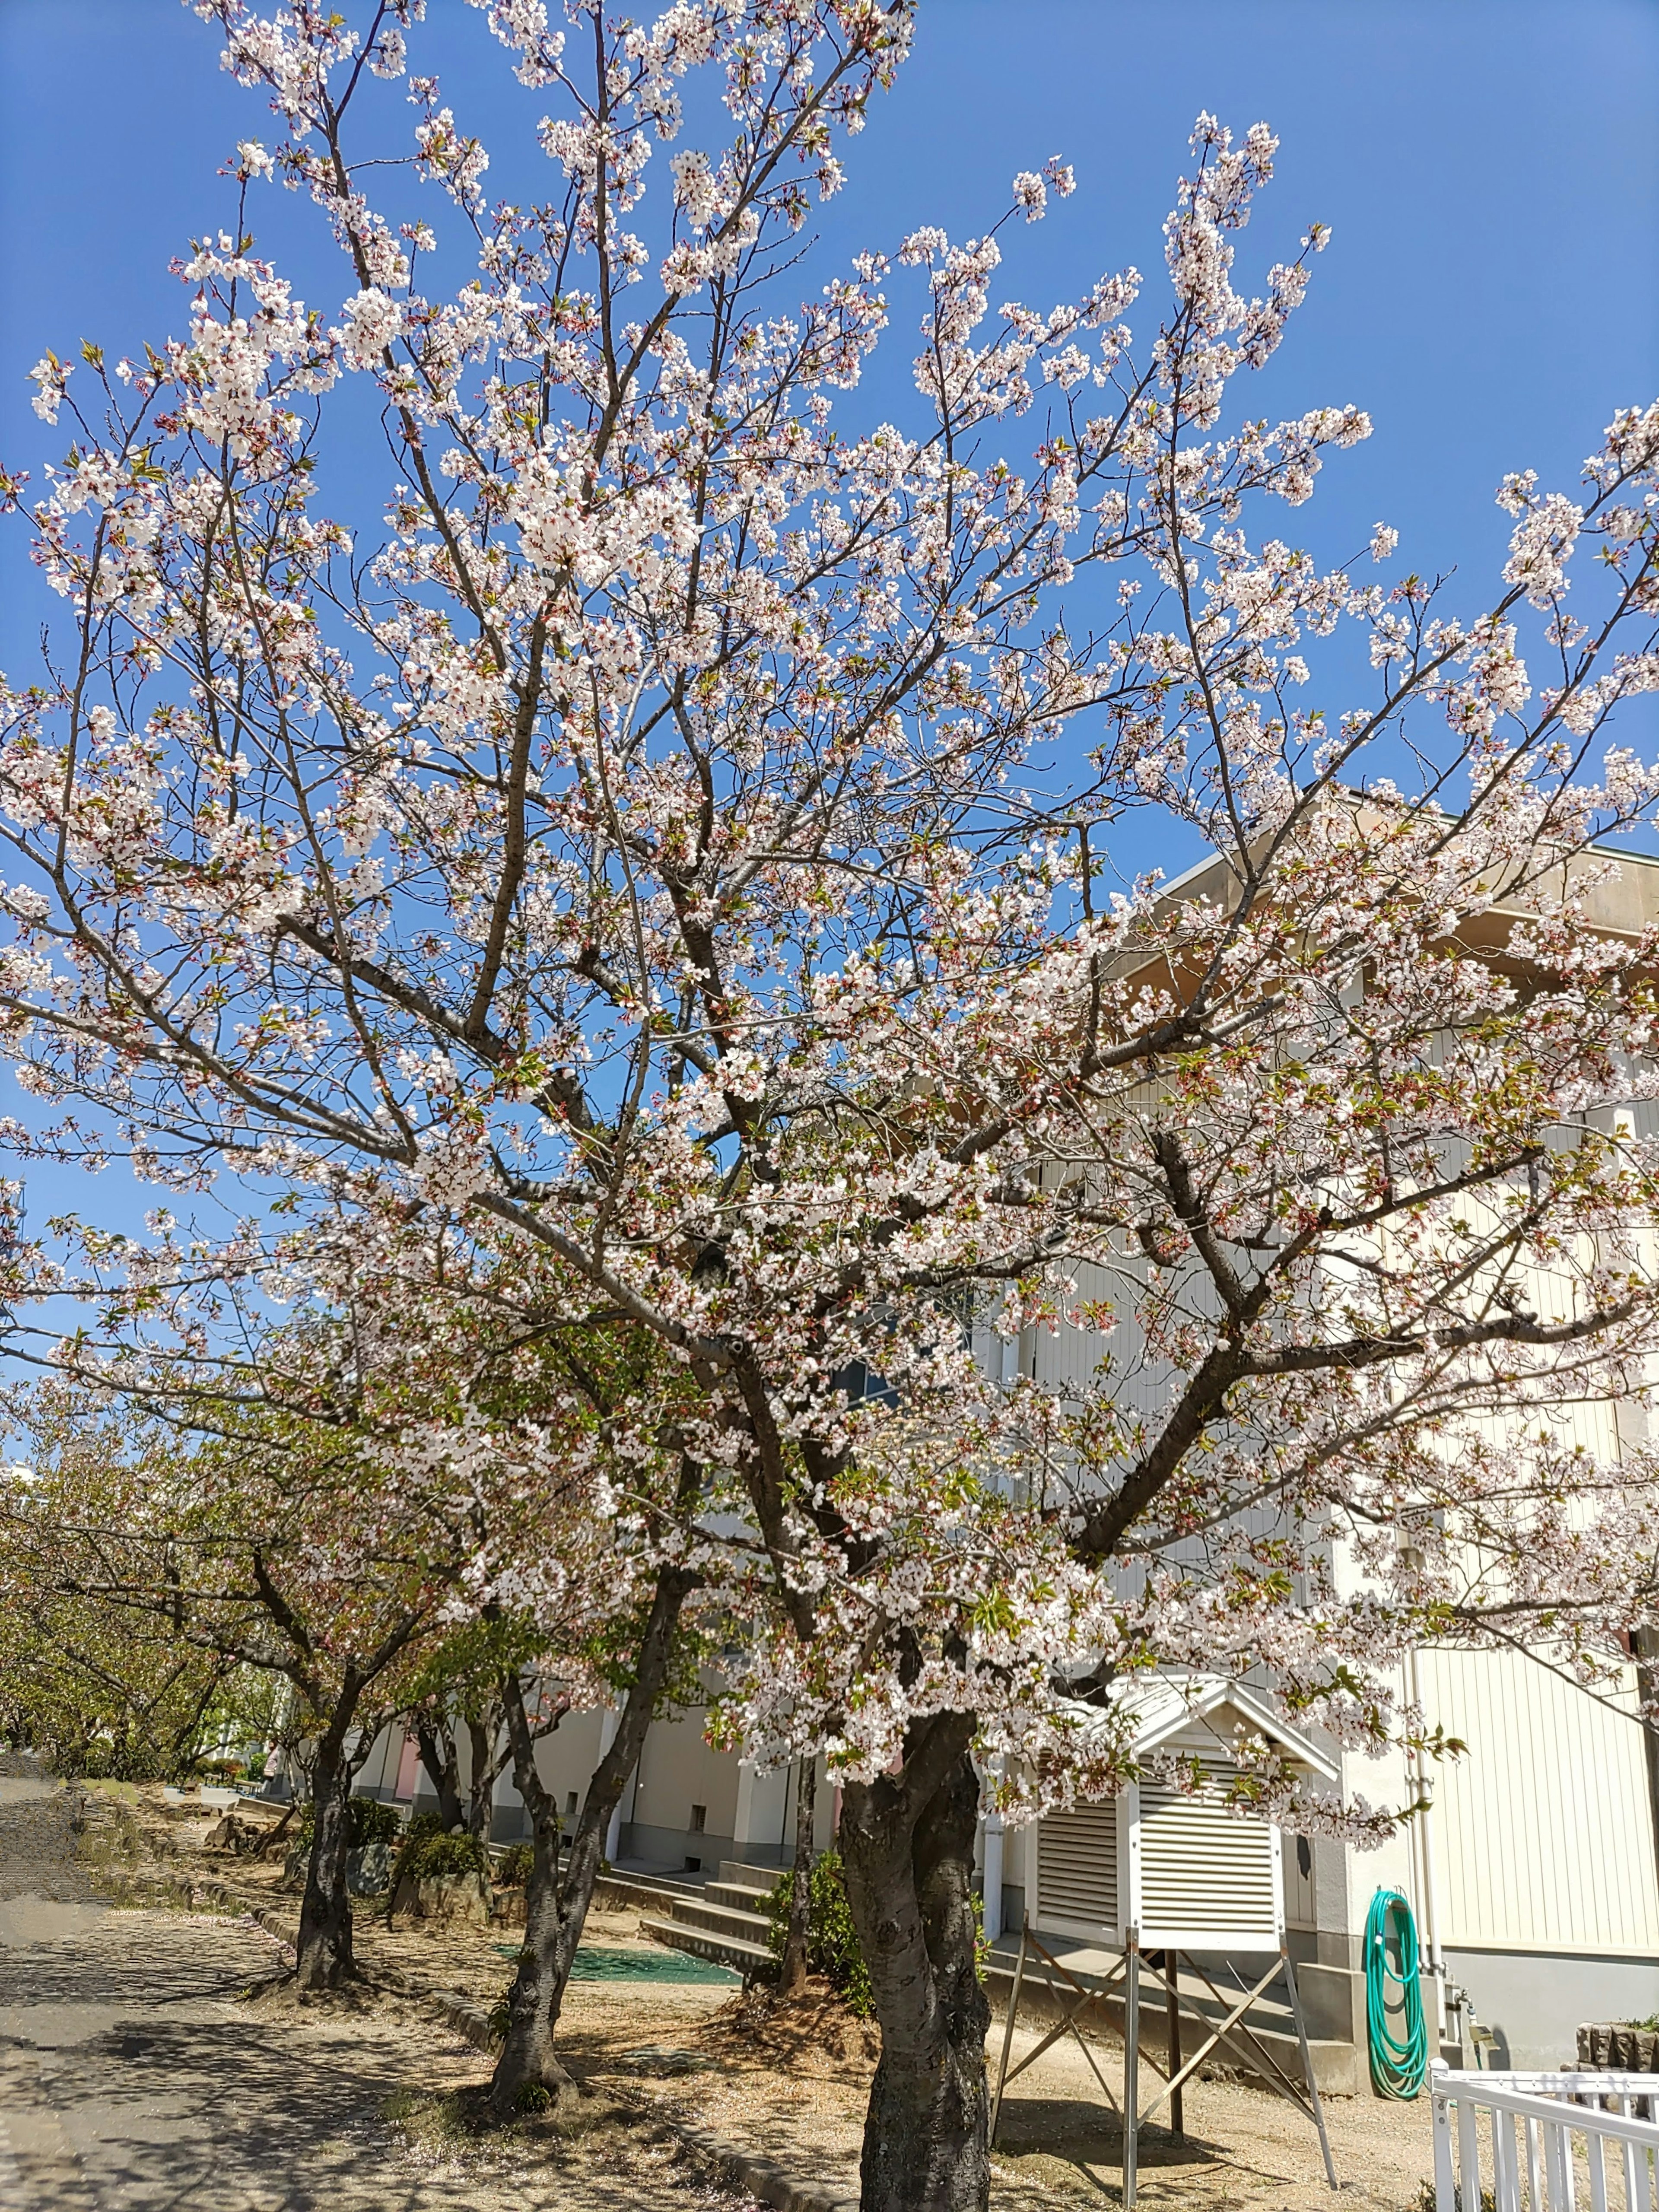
{"type": "Point", "coordinates": [1538, 2132]}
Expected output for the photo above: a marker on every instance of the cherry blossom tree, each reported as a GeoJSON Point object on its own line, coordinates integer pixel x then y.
{"type": "Point", "coordinates": [591, 1579]}
{"type": "Point", "coordinates": [447, 1444]}
{"type": "Point", "coordinates": [463, 1691]}
{"type": "Point", "coordinates": [79, 1686]}
{"type": "Point", "coordinates": [679, 854]}
{"type": "Point", "coordinates": [278, 1545]}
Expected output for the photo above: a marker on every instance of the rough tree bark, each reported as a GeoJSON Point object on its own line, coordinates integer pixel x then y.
{"type": "Point", "coordinates": [435, 1741]}
{"type": "Point", "coordinates": [528, 2058]}
{"type": "Point", "coordinates": [322, 1951]}
{"type": "Point", "coordinates": [481, 1777]}
{"type": "Point", "coordinates": [906, 1846]}
{"type": "Point", "coordinates": [489, 1750]}
{"type": "Point", "coordinates": [555, 1904]}
{"type": "Point", "coordinates": [792, 1975]}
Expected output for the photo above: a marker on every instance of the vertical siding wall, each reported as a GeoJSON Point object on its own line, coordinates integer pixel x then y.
{"type": "Point", "coordinates": [1545, 1827]}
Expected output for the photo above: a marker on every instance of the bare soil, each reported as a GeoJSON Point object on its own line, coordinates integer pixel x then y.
{"type": "Point", "coordinates": [136, 2070]}
{"type": "Point", "coordinates": [1058, 2140]}
{"type": "Point", "coordinates": [788, 2081]}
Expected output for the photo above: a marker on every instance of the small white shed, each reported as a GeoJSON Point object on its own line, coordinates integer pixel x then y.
{"type": "Point", "coordinates": [1176, 1868]}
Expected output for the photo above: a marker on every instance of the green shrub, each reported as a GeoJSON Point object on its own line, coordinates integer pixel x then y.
{"type": "Point", "coordinates": [420, 1830]}
{"type": "Point", "coordinates": [446, 1856]}
{"type": "Point", "coordinates": [371, 1823]}
{"type": "Point", "coordinates": [515, 1865]}
{"type": "Point", "coordinates": [832, 1943]}
{"type": "Point", "coordinates": [431, 1853]}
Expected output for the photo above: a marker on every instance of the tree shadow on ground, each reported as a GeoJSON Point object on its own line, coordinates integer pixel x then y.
{"type": "Point", "coordinates": [129, 2074]}
{"type": "Point", "coordinates": [1070, 2144]}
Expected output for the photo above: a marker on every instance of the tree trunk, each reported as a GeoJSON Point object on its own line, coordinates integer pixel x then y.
{"type": "Point", "coordinates": [527, 2060]}
{"type": "Point", "coordinates": [906, 1846]}
{"type": "Point", "coordinates": [481, 1777]}
{"type": "Point", "coordinates": [556, 1909]}
{"type": "Point", "coordinates": [323, 1950]}
{"type": "Point", "coordinates": [791, 1977]}
{"type": "Point", "coordinates": [436, 1743]}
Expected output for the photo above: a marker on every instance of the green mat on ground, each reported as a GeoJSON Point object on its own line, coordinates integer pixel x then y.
{"type": "Point", "coordinates": [595, 1963]}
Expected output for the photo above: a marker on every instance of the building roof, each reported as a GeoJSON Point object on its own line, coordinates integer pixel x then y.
{"type": "Point", "coordinates": [1164, 1704]}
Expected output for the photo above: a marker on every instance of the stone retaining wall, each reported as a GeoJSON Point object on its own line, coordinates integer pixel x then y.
{"type": "Point", "coordinates": [1611, 2047]}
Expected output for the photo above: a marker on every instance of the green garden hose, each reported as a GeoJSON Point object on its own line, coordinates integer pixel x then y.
{"type": "Point", "coordinates": [1397, 2066]}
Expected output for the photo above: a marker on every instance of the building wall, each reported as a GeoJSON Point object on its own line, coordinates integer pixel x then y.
{"type": "Point", "coordinates": [564, 1761]}
{"type": "Point", "coordinates": [377, 1775]}
{"type": "Point", "coordinates": [678, 1772]}
{"type": "Point", "coordinates": [1545, 1827]}
{"type": "Point", "coordinates": [1534, 2001]}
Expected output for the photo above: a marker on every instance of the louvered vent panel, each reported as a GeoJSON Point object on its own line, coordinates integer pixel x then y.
{"type": "Point", "coordinates": [1077, 1864]}
{"type": "Point", "coordinates": [1201, 1868]}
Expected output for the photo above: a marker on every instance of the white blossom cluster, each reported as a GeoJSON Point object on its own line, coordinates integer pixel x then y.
{"type": "Point", "coordinates": [626, 911]}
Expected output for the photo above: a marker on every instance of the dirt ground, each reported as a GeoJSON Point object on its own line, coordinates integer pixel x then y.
{"type": "Point", "coordinates": [135, 2076]}
{"type": "Point", "coordinates": [288, 2107]}
{"type": "Point", "coordinates": [1058, 2140]}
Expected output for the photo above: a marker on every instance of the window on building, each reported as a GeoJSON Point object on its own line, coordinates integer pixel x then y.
{"type": "Point", "coordinates": [699, 1819]}
{"type": "Point", "coordinates": [569, 1803]}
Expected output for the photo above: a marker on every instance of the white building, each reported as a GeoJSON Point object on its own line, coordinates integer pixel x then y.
{"type": "Point", "coordinates": [1534, 1879]}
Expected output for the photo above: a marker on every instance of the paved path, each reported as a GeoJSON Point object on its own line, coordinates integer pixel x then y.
{"type": "Point", "coordinates": [133, 2080]}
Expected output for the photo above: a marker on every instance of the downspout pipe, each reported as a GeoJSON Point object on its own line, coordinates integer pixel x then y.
{"type": "Point", "coordinates": [992, 1844]}
{"type": "Point", "coordinates": [992, 1876]}
{"type": "Point", "coordinates": [1425, 1779]}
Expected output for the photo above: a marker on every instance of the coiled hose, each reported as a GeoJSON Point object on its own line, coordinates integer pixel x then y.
{"type": "Point", "coordinates": [1397, 2066]}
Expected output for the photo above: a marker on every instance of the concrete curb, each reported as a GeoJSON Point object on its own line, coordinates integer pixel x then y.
{"type": "Point", "coordinates": [466, 2019]}
{"type": "Point", "coordinates": [759, 2176]}
{"type": "Point", "coordinates": [280, 1934]}
{"type": "Point", "coordinates": [212, 1897]}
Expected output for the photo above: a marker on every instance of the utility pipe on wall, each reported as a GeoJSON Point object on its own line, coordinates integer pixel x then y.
{"type": "Point", "coordinates": [992, 1879]}
{"type": "Point", "coordinates": [992, 1876]}
{"type": "Point", "coordinates": [1431, 1870]}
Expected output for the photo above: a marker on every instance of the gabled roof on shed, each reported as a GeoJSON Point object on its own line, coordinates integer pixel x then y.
{"type": "Point", "coordinates": [1162, 1705]}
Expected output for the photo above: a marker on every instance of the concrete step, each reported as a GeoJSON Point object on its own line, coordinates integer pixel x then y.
{"type": "Point", "coordinates": [645, 1889]}
{"type": "Point", "coordinates": [732, 1951]}
{"type": "Point", "coordinates": [662, 1878]}
{"type": "Point", "coordinates": [737, 1874]}
{"type": "Point", "coordinates": [720, 1919]}
{"type": "Point", "coordinates": [739, 1895]}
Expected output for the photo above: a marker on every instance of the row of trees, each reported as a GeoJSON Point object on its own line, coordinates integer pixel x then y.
{"type": "Point", "coordinates": [344, 1535]}
{"type": "Point", "coordinates": [640, 931]}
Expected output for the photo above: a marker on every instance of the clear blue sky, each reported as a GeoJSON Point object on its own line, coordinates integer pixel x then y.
{"type": "Point", "coordinates": [1491, 168]}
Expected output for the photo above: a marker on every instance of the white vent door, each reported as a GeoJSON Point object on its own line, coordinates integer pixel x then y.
{"type": "Point", "coordinates": [1076, 1867]}
{"type": "Point", "coordinates": [1206, 1877]}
